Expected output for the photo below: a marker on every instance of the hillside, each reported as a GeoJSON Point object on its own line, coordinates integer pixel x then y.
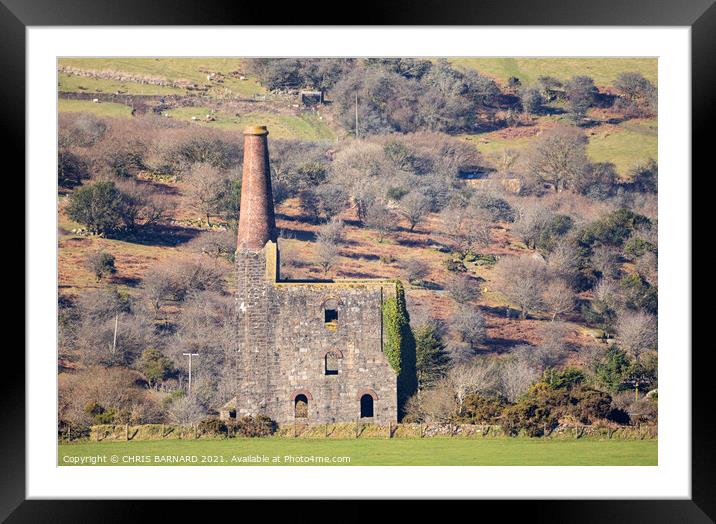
{"type": "Point", "coordinates": [145, 115]}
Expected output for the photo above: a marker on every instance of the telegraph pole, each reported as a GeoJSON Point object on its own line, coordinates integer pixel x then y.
{"type": "Point", "coordinates": [356, 114]}
{"type": "Point", "coordinates": [190, 355]}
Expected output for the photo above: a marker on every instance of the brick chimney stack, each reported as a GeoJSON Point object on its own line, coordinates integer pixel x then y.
{"type": "Point", "coordinates": [257, 224]}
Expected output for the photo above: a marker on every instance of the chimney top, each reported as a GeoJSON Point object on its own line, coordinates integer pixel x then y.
{"type": "Point", "coordinates": [257, 224]}
{"type": "Point", "coordinates": [256, 130]}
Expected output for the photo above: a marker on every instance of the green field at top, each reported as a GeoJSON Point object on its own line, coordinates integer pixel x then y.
{"type": "Point", "coordinates": [624, 145]}
{"type": "Point", "coordinates": [81, 84]}
{"type": "Point", "coordinates": [374, 452]}
{"type": "Point", "coordinates": [305, 126]}
{"type": "Point", "coordinates": [101, 109]}
{"type": "Point", "coordinates": [603, 70]}
{"type": "Point", "coordinates": [192, 69]}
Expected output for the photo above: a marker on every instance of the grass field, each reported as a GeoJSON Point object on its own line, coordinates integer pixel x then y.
{"type": "Point", "coordinates": [603, 70]}
{"type": "Point", "coordinates": [192, 69]}
{"type": "Point", "coordinates": [79, 84]}
{"type": "Point", "coordinates": [425, 452]}
{"type": "Point", "coordinates": [102, 109]}
{"type": "Point", "coordinates": [302, 127]}
{"type": "Point", "coordinates": [624, 144]}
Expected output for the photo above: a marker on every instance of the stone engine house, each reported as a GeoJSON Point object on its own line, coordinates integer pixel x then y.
{"type": "Point", "coordinates": [307, 351]}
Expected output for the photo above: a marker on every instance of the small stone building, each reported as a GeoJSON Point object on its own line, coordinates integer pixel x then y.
{"type": "Point", "coordinates": [307, 351]}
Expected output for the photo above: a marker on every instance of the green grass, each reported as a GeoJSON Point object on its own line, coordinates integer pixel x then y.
{"type": "Point", "coordinates": [625, 145]}
{"type": "Point", "coordinates": [80, 84]}
{"type": "Point", "coordinates": [636, 143]}
{"type": "Point", "coordinates": [603, 70]}
{"type": "Point", "coordinates": [173, 69]}
{"type": "Point", "coordinates": [304, 126]}
{"type": "Point", "coordinates": [396, 452]}
{"type": "Point", "coordinates": [102, 109]}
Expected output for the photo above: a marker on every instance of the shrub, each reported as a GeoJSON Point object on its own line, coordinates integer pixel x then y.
{"type": "Point", "coordinates": [100, 264]}
{"type": "Point", "coordinates": [639, 294]}
{"type": "Point", "coordinates": [155, 366]}
{"type": "Point", "coordinates": [480, 409]}
{"type": "Point", "coordinates": [100, 207]}
{"type": "Point", "coordinates": [212, 426]}
{"type": "Point", "coordinates": [588, 405]}
{"type": "Point", "coordinates": [612, 368]}
{"type": "Point", "coordinates": [255, 426]}
{"type": "Point", "coordinates": [67, 432]}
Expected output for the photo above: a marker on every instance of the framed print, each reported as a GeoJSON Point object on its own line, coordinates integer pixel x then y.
{"type": "Point", "coordinates": [415, 258]}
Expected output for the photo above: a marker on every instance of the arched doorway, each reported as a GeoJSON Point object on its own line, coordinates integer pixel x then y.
{"type": "Point", "coordinates": [366, 406]}
{"type": "Point", "coordinates": [300, 406]}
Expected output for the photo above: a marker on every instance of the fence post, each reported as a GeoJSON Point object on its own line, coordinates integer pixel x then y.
{"type": "Point", "coordinates": [126, 432]}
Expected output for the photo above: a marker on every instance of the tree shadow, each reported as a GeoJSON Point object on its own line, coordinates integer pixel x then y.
{"type": "Point", "coordinates": [127, 281]}
{"type": "Point", "coordinates": [165, 235]}
{"type": "Point", "coordinates": [297, 234]}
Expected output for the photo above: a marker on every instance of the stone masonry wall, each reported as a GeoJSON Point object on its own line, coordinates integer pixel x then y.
{"type": "Point", "coordinates": [282, 341]}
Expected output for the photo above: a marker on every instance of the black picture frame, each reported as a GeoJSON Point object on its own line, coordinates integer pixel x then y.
{"type": "Point", "coordinates": [699, 15]}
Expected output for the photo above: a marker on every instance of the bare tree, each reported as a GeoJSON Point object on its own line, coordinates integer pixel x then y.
{"type": "Point", "coordinates": [558, 297]}
{"type": "Point", "coordinates": [185, 410]}
{"type": "Point", "coordinates": [480, 375]}
{"type": "Point", "coordinates": [206, 185]}
{"type": "Point", "coordinates": [332, 231]}
{"type": "Point", "coordinates": [637, 332]}
{"type": "Point", "coordinates": [532, 222]}
{"type": "Point", "coordinates": [516, 376]}
{"type": "Point", "coordinates": [469, 324]}
{"type": "Point", "coordinates": [327, 254]}
{"type": "Point", "coordinates": [380, 218]}
{"type": "Point", "coordinates": [559, 157]}
{"type": "Point", "coordinates": [562, 261]}
{"type": "Point", "coordinates": [522, 280]}
{"type": "Point", "coordinates": [414, 206]}
{"type": "Point", "coordinates": [415, 270]}
{"type": "Point", "coordinates": [463, 289]}
{"type": "Point", "coordinates": [467, 229]}
{"type": "Point", "coordinates": [605, 260]}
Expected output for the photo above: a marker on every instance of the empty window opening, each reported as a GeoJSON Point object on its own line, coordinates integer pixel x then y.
{"type": "Point", "coordinates": [366, 406]}
{"type": "Point", "coordinates": [332, 363]}
{"type": "Point", "coordinates": [300, 406]}
{"type": "Point", "coordinates": [232, 413]}
{"type": "Point", "coordinates": [330, 315]}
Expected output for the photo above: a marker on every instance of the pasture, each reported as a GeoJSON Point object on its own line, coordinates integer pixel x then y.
{"type": "Point", "coordinates": [603, 70]}
{"type": "Point", "coordinates": [373, 452]}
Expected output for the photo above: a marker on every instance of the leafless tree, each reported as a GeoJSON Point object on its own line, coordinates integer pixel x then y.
{"type": "Point", "coordinates": [516, 376]}
{"type": "Point", "coordinates": [332, 231]}
{"type": "Point", "coordinates": [467, 229]}
{"type": "Point", "coordinates": [326, 254]}
{"type": "Point", "coordinates": [558, 297]}
{"type": "Point", "coordinates": [185, 410]}
{"type": "Point", "coordinates": [463, 289]}
{"type": "Point", "coordinates": [214, 243]}
{"type": "Point", "coordinates": [414, 206]}
{"type": "Point", "coordinates": [469, 324]}
{"type": "Point", "coordinates": [206, 184]}
{"type": "Point", "coordinates": [415, 269]}
{"type": "Point", "coordinates": [637, 332]}
{"type": "Point", "coordinates": [358, 168]}
{"type": "Point", "coordinates": [605, 260]}
{"type": "Point", "coordinates": [533, 219]}
{"type": "Point", "coordinates": [522, 280]}
{"type": "Point", "coordinates": [562, 261]}
{"type": "Point", "coordinates": [558, 157]}
{"type": "Point", "coordinates": [647, 266]}
{"type": "Point", "coordinates": [439, 404]}
{"type": "Point", "coordinates": [480, 375]}
{"type": "Point", "coordinates": [380, 218]}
